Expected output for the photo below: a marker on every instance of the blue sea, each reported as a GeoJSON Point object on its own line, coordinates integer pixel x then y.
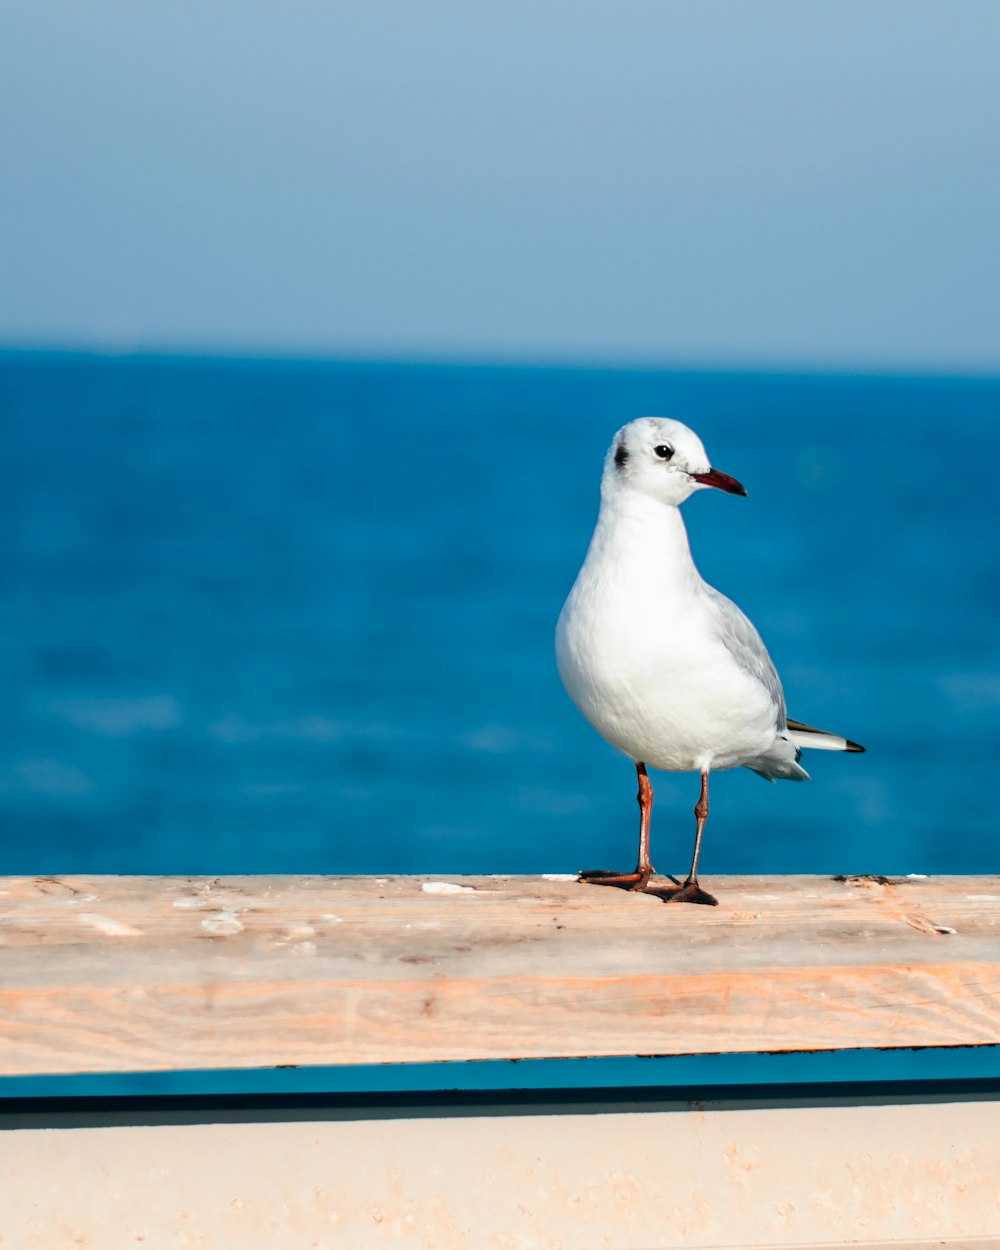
{"type": "Point", "coordinates": [297, 617]}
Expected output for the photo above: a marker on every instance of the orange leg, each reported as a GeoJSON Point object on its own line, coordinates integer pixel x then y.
{"type": "Point", "coordinates": [691, 891]}
{"type": "Point", "coordinates": [639, 879]}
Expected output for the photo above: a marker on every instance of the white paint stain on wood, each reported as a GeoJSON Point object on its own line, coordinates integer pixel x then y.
{"type": "Point", "coordinates": [222, 923]}
{"type": "Point", "coordinates": [108, 925]}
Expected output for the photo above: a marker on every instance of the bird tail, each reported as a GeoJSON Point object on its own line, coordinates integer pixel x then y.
{"type": "Point", "coordinates": [818, 739]}
{"type": "Point", "coordinates": [779, 770]}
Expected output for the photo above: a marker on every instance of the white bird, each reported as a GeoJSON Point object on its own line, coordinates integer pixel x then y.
{"type": "Point", "coordinates": [665, 667]}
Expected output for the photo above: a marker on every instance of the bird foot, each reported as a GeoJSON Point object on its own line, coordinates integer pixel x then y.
{"type": "Point", "coordinates": [689, 892]}
{"type": "Point", "coordinates": [623, 880]}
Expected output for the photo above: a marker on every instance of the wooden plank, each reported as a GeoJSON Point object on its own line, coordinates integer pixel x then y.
{"type": "Point", "coordinates": [909, 1176]}
{"type": "Point", "coordinates": [118, 974]}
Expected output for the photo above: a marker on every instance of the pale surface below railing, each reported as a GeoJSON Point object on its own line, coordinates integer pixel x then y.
{"type": "Point", "coordinates": [905, 1176]}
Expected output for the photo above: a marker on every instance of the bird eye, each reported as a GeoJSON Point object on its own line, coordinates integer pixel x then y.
{"type": "Point", "coordinates": [663, 451]}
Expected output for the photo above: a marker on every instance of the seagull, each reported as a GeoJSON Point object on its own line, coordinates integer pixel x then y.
{"type": "Point", "coordinates": [663, 666]}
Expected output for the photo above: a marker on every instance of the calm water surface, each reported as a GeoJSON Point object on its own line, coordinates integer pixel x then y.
{"type": "Point", "coordinates": [297, 617]}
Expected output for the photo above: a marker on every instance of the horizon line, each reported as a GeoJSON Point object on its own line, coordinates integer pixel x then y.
{"type": "Point", "coordinates": [541, 361]}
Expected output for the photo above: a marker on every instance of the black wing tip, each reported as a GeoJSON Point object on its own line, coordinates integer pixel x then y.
{"type": "Point", "coordinates": [854, 746]}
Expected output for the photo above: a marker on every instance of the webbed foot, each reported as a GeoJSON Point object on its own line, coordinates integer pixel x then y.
{"type": "Point", "coordinates": [637, 880]}
{"type": "Point", "coordinates": [689, 892]}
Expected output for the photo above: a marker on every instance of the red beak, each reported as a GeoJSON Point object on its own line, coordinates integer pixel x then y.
{"type": "Point", "coordinates": [722, 480]}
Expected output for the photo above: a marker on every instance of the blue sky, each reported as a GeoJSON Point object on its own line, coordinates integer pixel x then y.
{"type": "Point", "coordinates": [800, 183]}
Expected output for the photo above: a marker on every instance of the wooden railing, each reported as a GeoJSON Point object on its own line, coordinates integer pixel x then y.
{"type": "Point", "coordinates": [118, 974]}
{"type": "Point", "coordinates": [136, 974]}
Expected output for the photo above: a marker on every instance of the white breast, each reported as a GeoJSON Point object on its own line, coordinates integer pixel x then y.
{"type": "Point", "coordinates": [638, 653]}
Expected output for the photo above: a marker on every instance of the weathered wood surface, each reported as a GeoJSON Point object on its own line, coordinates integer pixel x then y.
{"type": "Point", "coordinates": [144, 973]}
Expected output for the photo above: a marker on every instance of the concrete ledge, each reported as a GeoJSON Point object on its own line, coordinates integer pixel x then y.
{"type": "Point", "coordinates": [897, 1173]}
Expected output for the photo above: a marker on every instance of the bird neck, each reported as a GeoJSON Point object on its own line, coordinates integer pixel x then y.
{"type": "Point", "coordinates": [636, 531]}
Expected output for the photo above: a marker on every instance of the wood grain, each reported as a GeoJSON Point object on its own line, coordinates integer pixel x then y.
{"type": "Point", "coordinates": [149, 973]}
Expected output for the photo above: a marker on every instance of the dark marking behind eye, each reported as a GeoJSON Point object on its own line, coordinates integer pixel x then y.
{"type": "Point", "coordinates": [621, 456]}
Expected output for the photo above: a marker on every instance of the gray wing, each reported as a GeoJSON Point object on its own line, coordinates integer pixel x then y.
{"type": "Point", "coordinates": [737, 633]}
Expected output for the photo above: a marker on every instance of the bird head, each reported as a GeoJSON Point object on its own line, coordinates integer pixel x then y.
{"type": "Point", "coordinates": [663, 459]}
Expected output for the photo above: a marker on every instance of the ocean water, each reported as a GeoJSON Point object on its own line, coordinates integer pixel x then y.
{"type": "Point", "coordinates": [265, 616]}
